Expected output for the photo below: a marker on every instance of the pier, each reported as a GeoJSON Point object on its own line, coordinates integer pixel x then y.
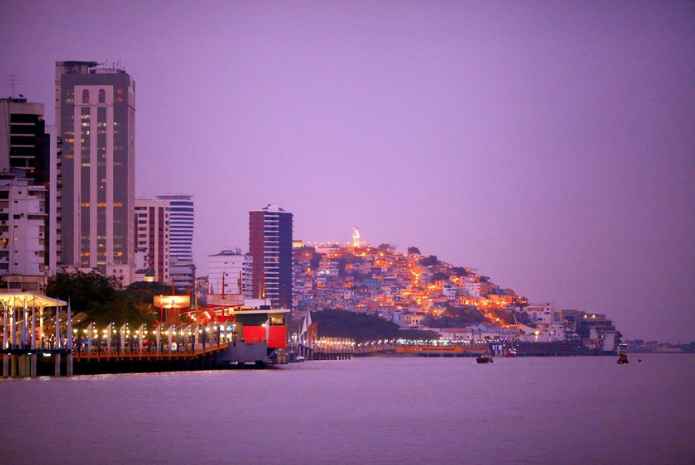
{"type": "Point", "coordinates": [38, 340]}
{"type": "Point", "coordinates": [24, 333]}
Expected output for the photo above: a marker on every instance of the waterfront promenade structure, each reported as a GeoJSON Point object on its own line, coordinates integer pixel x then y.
{"type": "Point", "coordinates": [24, 333]}
{"type": "Point", "coordinates": [225, 333]}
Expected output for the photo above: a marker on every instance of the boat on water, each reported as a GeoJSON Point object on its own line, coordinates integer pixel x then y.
{"type": "Point", "coordinates": [484, 358]}
{"type": "Point", "coordinates": [622, 354]}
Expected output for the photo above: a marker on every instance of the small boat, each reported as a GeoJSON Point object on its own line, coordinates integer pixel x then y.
{"type": "Point", "coordinates": [622, 354]}
{"type": "Point", "coordinates": [484, 358]}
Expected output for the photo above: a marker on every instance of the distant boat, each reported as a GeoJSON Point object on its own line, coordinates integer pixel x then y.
{"type": "Point", "coordinates": [622, 354]}
{"type": "Point", "coordinates": [484, 358]}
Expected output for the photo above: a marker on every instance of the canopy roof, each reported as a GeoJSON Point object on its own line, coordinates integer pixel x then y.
{"type": "Point", "coordinates": [31, 299]}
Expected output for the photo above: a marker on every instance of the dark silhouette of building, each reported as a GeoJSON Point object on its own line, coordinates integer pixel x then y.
{"type": "Point", "coordinates": [270, 245]}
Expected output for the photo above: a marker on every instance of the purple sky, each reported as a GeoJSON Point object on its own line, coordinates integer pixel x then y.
{"type": "Point", "coordinates": [550, 145]}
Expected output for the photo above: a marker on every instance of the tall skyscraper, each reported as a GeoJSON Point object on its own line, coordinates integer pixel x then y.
{"type": "Point", "coordinates": [152, 240]}
{"type": "Point", "coordinates": [95, 126]}
{"type": "Point", "coordinates": [25, 153]}
{"type": "Point", "coordinates": [181, 224]}
{"type": "Point", "coordinates": [270, 245]}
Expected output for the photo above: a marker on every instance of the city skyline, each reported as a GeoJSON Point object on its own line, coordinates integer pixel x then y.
{"type": "Point", "coordinates": [560, 167]}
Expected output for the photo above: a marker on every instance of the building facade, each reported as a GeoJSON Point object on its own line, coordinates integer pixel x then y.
{"type": "Point", "coordinates": [226, 272]}
{"type": "Point", "coordinates": [247, 277]}
{"type": "Point", "coordinates": [182, 274]}
{"type": "Point", "coordinates": [22, 227]}
{"type": "Point", "coordinates": [152, 240]}
{"type": "Point", "coordinates": [25, 152]}
{"type": "Point", "coordinates": [270, 245]}
{"type": "Point", "coordinates": [181, 226]}
{"type": "Point", "coordinates": [95, 129]}
{"type": "Point", "coordinates": [24, 142]}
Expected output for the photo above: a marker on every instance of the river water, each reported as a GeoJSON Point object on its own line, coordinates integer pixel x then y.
{"type": "Point", "coordinates": [572, 410]}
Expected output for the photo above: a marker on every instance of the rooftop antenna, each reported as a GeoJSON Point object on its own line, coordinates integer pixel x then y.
{"type": "Point", "coordinates": [13, 84]}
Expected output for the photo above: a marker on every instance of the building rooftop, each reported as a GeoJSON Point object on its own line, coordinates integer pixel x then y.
{"type": "Point", "coordinates": [272, 208]}
{"type": "Point", "coordinates": [226, 253]}
{"type": "Point", "coordinates": [175, 196]}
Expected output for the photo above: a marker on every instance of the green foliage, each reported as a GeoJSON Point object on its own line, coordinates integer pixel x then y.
{"type": "Point", "coordinates": [361, 327]}
{"type": "Point", "coordinates": [84, 290]}
{"type": "Point", "coordinates": [358, 326]}
{"type": "Point", "coordinates": [144, 292]}
{"type": "Point", "coordinates": [99, 299]}
{"type": "Point", "coordinates": [415, 334]}
{"type": "Point", "coordinates": [456, 317]}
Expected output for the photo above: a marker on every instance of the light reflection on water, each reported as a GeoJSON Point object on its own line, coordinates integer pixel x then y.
{"type": "Point", "coordinates": [574, 410]}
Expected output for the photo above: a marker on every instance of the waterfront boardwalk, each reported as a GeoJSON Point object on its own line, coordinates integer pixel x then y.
{"type": "Point", "coordinates": [38, 339]}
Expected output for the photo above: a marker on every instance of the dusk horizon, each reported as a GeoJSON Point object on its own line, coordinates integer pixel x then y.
{"type": "Point", "coordinates": [549, 148]}
{"type": "Point", "coordinates": [350, 232]}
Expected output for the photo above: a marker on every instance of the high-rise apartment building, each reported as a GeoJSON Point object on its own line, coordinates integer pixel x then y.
{"type": "Point", "coordinates": [25, 153]}
{"type": "Point", "coordinates": [22, 226]}
{"type": "Point", "coordinates": [270, 245]}
{"type": "Point", "coordinates": [152, 240]}
{"type": "Point", "coordinates": [181, 224]}
{"type": "Point", "coordinates": [95, 128]}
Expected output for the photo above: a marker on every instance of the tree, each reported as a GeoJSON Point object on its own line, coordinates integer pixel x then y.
{"type": "Point", "coordinates": [97, 297]}
{"type": "Point", "coordinates": [83, 290]}
{"type": "Point", "coordinates": [439, 276]}
{"type": "Point", "coordinates": [413, 251]}
{"type": "Point", "coordinates": [144, 292]}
